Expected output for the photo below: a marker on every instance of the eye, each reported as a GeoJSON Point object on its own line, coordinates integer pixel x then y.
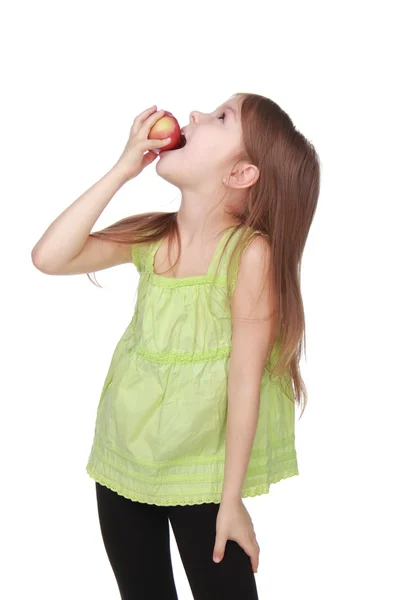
{"type": "Point", "coordinates": [222, 116]}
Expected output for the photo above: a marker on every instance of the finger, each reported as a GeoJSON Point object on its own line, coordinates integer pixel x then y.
{"type": "Point", "coordinates": [219, 549]}
{"type": "Point", "coordinates": [145, 145]}
{"type": "Point", "coordinates": [148, 158]}
{"type": "Point", "coordinates": [257, 557]}
{"type": "Point", "coordinates": [254, 562]}
{"type": "Point", "coordinates": [149, 123]}
{"type": "Point", "coordinates": [157, 143]}
{"type": "Point", "coordinates": [145, 114]}
{"type": "Point", "coordinates": [253, 551]}
{"type": "Point", "coordinates": [139, 119]}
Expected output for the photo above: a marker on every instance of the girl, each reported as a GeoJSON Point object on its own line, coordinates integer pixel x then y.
{"type": "Point", "coordinates": [197, 408]}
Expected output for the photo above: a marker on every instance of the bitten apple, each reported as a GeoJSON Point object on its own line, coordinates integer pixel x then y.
{"type": "Point", "coordinates": [168, 126]}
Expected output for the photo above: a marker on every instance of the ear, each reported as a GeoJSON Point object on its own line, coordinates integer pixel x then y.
{"type": "Point", "coordinates": [245, 175]}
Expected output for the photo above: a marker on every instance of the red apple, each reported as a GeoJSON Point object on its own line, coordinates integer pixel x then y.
{"type": "Point", "coordinates": [168, 126]}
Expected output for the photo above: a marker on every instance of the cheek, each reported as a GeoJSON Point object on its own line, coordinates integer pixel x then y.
{"type": "Point", "coordinates": [205, 150]}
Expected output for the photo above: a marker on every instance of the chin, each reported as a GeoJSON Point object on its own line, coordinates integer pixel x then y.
{"type": "Point", "coordinates": [180, 169]}
{"type": "Point", "coordinates": [169, 174]}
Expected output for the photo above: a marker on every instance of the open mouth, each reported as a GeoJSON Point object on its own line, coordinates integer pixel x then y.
{"type": "Point", "coordinates": [182, 142]}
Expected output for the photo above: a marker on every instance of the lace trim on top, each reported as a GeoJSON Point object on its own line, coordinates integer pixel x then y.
{"type": "Point", "coordinates": [183, 357]}
{"type": "Point", "coordinates": [256, 490]}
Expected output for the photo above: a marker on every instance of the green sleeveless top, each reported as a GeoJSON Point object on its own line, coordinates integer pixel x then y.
{"type": "Point", "coordinates": [161, 419]}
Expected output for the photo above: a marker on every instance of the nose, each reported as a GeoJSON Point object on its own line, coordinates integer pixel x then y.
{"type": "Point", "coordinates": [194, 116]}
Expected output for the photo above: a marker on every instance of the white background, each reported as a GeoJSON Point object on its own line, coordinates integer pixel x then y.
{"type": "Point", "coordinates": [74, 76]}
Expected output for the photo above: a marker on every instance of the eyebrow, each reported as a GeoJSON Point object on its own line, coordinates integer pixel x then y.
{"type": "Point", "coordinates": [232, 109]}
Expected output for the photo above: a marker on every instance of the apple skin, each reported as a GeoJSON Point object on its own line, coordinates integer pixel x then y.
{"type": "Point", "coordinates": [167, 126]}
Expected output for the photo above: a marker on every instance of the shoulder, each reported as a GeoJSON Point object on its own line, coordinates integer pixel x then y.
{"type": "Point", "coordinates": [256, 254]}
{"type": "Point", "coordinates": [255, 260]}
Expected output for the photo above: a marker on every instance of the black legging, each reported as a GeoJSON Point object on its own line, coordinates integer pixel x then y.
{"type": "Point", "coordinates": [136, 539]}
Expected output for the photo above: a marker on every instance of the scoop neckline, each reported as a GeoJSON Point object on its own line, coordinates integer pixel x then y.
{"type": "Point", "coordinates": [188, 277]}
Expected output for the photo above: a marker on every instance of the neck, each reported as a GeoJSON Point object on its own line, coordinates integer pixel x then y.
{"type": "Point", "coordinates": [197, 217]}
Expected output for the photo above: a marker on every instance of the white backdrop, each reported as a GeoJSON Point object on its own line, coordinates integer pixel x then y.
{"type": "Point", "coordinates": [74, 75]}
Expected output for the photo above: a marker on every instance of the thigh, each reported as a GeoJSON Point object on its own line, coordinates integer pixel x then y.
{"type": "Point", "coordinates": [194, 531]}
{"type": "Point", "coordinates": [136, 539]}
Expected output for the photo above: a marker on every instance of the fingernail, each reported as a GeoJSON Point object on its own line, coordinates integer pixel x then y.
{"type": "Point", "coordinates": [216, 559]}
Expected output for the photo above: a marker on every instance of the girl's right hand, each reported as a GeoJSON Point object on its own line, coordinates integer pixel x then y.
{"type": "Point", "coordinates": [138, 152]}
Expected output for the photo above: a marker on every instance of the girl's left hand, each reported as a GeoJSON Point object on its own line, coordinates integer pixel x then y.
{"type": "Point", "coordinates": [234, 523]}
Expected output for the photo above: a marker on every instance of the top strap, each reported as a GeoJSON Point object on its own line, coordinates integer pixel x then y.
{"type": "Point", "coordinates": [138, 255]}
{"type": "Point", "coordinates": [218, 263]}
{"type": "Point", "coordinates": [143, 254]}
{"type": "Point", "coordinates": [222, 265]}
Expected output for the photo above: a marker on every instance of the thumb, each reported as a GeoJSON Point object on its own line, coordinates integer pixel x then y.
{"type": "Point", "coordinates": [219, 549]}
{"type": "Point", "coordinates": [149, 157]}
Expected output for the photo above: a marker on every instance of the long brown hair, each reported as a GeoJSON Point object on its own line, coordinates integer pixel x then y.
{"type": "Point", "coordinates": [281, 205]}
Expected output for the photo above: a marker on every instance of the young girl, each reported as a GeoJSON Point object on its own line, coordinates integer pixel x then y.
{"type": "Point", "coordinates": [197, 408]}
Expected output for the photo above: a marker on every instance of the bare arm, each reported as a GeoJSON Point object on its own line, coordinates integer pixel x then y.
{"type": "Point", "coordinates": [96, 255]}
{"type": "Point", "coordinates": [253, 299]}
{"type": "Point", "coordinates": [65, 247]}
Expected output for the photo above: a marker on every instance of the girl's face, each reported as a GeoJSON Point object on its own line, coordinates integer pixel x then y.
{"type": "Point", "coordinates": [213, 143]}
